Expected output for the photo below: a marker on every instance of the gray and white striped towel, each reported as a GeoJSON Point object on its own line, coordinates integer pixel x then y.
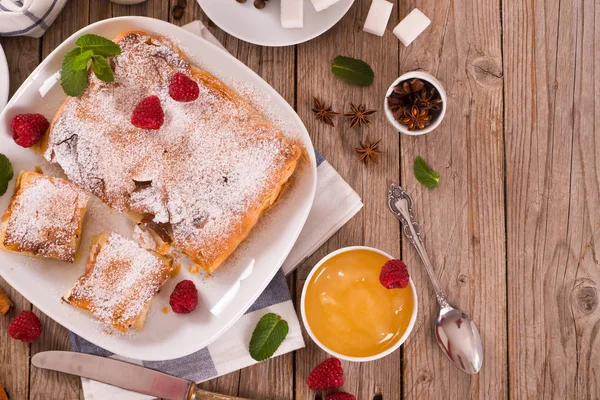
{"type": "Point", "coordinates": [28, 17]}
{"type": "Point", "coordinates": [335, 203]}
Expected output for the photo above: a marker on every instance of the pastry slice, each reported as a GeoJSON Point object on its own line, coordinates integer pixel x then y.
{"type": "Point", "coordinates": [44, 218]}
{"type": "Point", "coordinates": [202, 180]}
{"type": "Point", "coordinates": [120, 281]}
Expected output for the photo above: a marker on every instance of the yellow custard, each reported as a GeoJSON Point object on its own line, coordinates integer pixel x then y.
{"type": "Point", "coordinates": [349, 311]}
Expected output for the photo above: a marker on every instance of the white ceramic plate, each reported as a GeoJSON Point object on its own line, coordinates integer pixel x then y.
{"type": "Point", "coordinates": [263, 27]}
{"type": "Point", "coordinates": [4, 83]}
{"type": "Point", "coordinates": [165, 336]}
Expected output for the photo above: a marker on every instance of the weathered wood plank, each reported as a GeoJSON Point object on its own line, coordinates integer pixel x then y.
{"type": "Point", "coordinates": [22, 54]}
{"type": "Point", "coordinates": [276, 66]}
{"type": "Point", "coordinates": [374, 226]}
{"type": "Point", "coordinates": [14, 355]}
{"type": "Point", "coordinates": [553, 216]}
{"type": "Point", "coordinates": [46, 384]}
{"type": "Point", "coordinates": [463, 218]}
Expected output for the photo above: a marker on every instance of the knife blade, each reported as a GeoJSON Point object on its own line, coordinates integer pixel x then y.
{"type": "Point", "coordinates": [124, 375]}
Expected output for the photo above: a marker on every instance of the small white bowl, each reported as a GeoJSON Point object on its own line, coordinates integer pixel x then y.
{"type": "Point", "coordinates": [402, 339]}
{"type": "Point", "coordinates": [424, 76]}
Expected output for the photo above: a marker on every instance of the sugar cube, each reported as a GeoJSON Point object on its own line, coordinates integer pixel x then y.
{"type": "Point", "coordinates": [378, 17]}
{"type": "Point", "coordinates": [320, 5]}
{"type": "Point", "coordinates": [412, 26]}
{"type": "Point", "coordinates": [292, 13]}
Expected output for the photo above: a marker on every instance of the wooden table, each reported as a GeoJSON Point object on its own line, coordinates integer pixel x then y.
{"type": "Point", "coordinates": [513, 228]}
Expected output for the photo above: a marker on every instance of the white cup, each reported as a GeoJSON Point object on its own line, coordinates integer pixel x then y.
{"type": "Point", "coordinates": [384, 353]}
{"type": "Point", "coordinates": [424, 76]}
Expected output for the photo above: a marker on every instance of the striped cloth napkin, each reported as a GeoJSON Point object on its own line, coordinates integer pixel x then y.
{"type": "Point", "coordinates": [335, 203]}
{"type": "Point", "coordinates": [28, 17]}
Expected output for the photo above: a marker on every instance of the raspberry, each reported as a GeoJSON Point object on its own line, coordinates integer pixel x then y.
{"type": "Point", "coordinates": [184, 298]}
{"type": "Point", "coordinates": [28, 129]}
{"type": "Point", "coordinates": [327, 375]}
{"type": "Point", "coordinates": [148, 114]}
{"type": "Point", "coordinates": [340, 396]}
{"type": "Point", "coordinates": [25, 327]}
{"type": "Point", "coordinates": [183, 88]}
{"type": "Point", "coordinates": [394, 275]}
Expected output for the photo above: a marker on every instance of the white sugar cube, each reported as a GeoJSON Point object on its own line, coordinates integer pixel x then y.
{"type": "Point", "coordinates": [292, 13]}
{"type": "Point", "coordinates": [378, 17]}
{"type": "Point", "coordinates": [320, 5]}
{"type": "Point", "coordinates": [412, 26]}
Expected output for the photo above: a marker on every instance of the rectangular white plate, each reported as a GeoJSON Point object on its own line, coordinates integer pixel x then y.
{"type": "Point", "coordinates": [165, 336]}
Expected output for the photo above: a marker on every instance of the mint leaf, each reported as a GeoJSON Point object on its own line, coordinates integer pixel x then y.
{"type": "Point", "coordinates": [352, 70]}
{"type": "Point", "coordinates": [101, 46]}
{"type": "Point", "coordinates": [102, 69]}
{"type": "Point", "coordinates": [425, 174]}
{"type": "Point", "coordinates": [268, 335]}
{"type": "Point", "coordinates": [6, 173]}
{"type": "Point", "coordinates": [81, 61]}
{"type": "Point", "coordinates": [73, 82]}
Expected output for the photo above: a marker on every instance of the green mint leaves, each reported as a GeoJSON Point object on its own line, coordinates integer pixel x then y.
{"type": "Point", "coordinates": [74, 73]}
{"type": "Point", "coordinates": [268, 335]}
{"type": "Point", "coordinates": [6, 173]}
{"type": "Point", "coordinates": [352, 70]}
{"type": "Point", "coordinates": [425, 174]}
{"type": "Point", "coordinates": [102, 69]}
{"type": "Point", "coordinates": [101, 46]}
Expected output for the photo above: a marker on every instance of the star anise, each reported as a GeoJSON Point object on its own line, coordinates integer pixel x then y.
{"type": "Point", "coordinates": [408, 87]}
{"type": "Point", "coordinates": [359, 115]}
{"type": "Point", "coordinates": [323, 113]}
{"type": "Point", "coordinates": [397, 106]}
{"type": "Point", "coordinates": [415, 118]}
{"type": "Point", "coordinates": [428, 101]}
{"type": "Point", "coordinates": [368, 152]}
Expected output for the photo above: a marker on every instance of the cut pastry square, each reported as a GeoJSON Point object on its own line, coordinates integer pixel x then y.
{"type": "Point", "coordinates": [120, 280]}
{"type": "Point", "coordinates": [203, 178]}
{"type": "Point", "coordinates": [44, 217]}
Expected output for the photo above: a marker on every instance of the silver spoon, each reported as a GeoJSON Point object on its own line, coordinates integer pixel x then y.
{"type": "Point", "coordinates": [455, 332]}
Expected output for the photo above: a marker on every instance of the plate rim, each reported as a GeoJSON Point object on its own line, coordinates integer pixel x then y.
{"type": "Point", "coordinates": [291, 43]}
{"type": "Point", "coordinates": [4, 69]}
{"type": "Point", "coordinates": [133, 352]}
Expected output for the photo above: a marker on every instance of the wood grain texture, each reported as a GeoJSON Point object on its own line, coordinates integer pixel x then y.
{"type": "Point", "coordinates": [463, 218]}
{"type": "Point", "coordinates": [374, 226]}
{"type": "Point", "coordinates": [23, 56]}
{"type": "Point", "coordinates": [553, 215]}
{"type": "Point", "coordinates": [513, 228]}
{"type": "Point", "coordinates": [46, 384]}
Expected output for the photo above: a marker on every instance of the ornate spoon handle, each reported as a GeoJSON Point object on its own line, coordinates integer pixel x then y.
{"type": "Point", "coordinates": [401, 206]}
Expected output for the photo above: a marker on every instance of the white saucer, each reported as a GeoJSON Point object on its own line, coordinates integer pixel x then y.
{"type": "Point", "coordinates": [263, 27]}
{"type": "Point", "coordinates": [4, 83]}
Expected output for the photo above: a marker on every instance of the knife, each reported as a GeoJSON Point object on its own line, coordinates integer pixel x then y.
{"type": "Point", "coordinates": [124, 375]}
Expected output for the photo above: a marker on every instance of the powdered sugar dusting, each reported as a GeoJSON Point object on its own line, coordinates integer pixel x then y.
{"type": "Point", "coordinates": [210, 163]}
{"type": "Point", "coordinates": [45, 217]}
{"type": "Point", "coordinates": [120, 283]}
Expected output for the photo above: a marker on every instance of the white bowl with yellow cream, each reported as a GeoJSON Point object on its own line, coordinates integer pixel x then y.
{"type": "Point", "coordinates": [348, 313]}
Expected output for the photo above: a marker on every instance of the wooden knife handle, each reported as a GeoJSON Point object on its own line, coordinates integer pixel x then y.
{"type": "Point", "coordinates": [204, 395]}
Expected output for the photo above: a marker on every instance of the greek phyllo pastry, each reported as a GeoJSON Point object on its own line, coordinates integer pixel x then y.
{"type": "Point", "coordinates": [172, 146]}
{"type": "Point", "coordinates": [120, 281]}
{"type": "Point", "coordinates": [44, 218]}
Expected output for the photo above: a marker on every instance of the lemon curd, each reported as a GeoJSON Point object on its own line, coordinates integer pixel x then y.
{"type": "Point", "coordinates": [350, 312]}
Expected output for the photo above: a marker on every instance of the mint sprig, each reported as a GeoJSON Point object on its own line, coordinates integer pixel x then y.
{"type": "Point", "coordinates": [268, 335]}
{"type": "Point", "coordinates": [6, 173]}
{"type": "Point", "coordinates": [94, 48]}
{"type": "Point", "coordinates": [425, 174]}
{"type": "Point", "coordinates": [352, 70]}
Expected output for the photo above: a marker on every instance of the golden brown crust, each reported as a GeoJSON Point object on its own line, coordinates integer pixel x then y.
{"type": "Point", "coordinates": [113, 287]}
{"type": "Point", "coordinates": [211, 253]}
{"type": "Point", "coordinates": [58, 226]}
{"type": "Point", "coordinates": [5, 303]}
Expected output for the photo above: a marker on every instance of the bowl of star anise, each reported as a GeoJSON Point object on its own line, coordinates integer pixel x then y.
{"type": "Point", "coordinates": [415, 103]}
